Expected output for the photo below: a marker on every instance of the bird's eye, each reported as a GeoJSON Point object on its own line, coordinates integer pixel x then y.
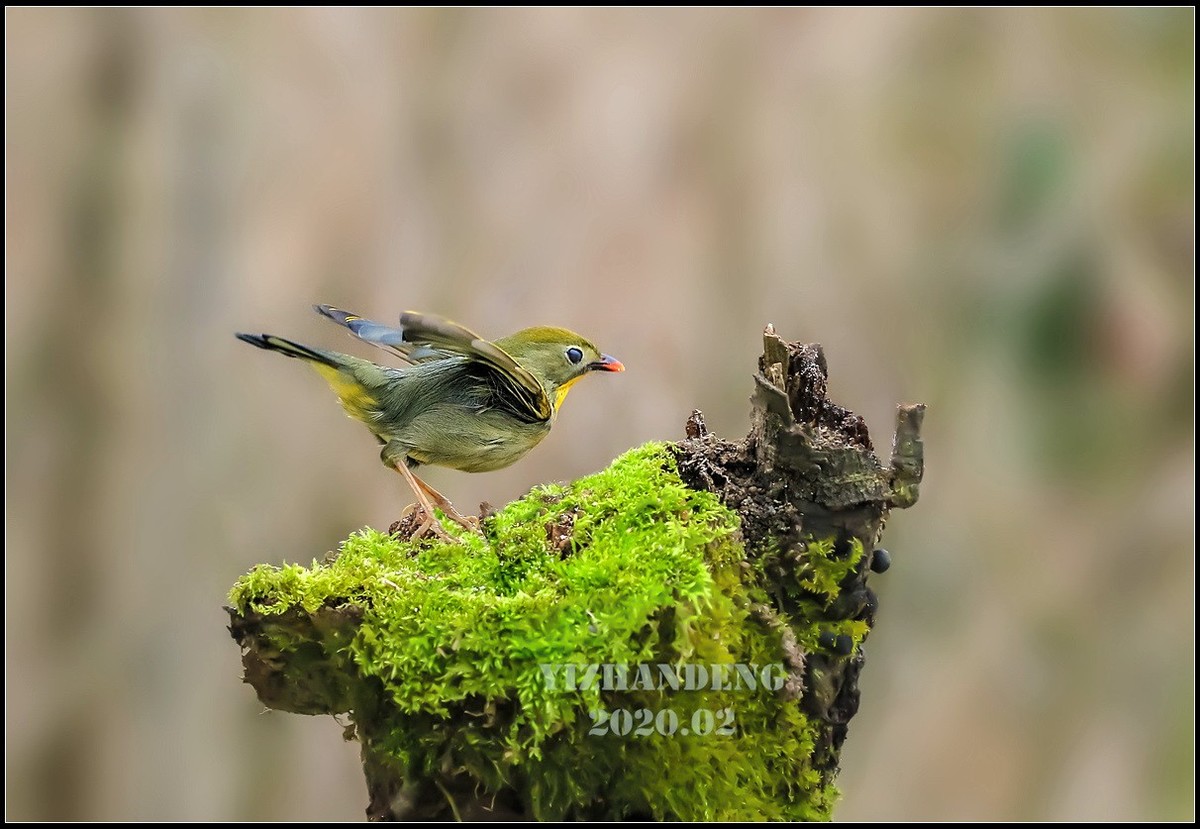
{"type": "Point", "coordinates": [574, 354]}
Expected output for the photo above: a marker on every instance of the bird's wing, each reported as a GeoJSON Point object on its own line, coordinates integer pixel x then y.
{"type": "Point", "coordinates": [422, 337]}
{"type": "Point", "coordinates": [383, 336]}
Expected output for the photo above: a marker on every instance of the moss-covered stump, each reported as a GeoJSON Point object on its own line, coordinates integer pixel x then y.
{"type": "Point", "coordinates": [678, 636]}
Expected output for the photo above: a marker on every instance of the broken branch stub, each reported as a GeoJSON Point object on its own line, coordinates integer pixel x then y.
{"type": "Point", "coordinates": [805, 474]}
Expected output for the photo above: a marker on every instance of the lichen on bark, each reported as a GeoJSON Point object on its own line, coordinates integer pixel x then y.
{"type": "Point", "coordinates": [461, 665]}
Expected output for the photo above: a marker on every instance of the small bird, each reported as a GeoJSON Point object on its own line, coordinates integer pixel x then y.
{"type": "Point", "coordinates": [462, 401]}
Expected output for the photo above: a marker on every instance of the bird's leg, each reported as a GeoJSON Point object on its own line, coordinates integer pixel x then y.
{"type": "Point", "coordinates": [447, 507]}
{"type": "Point", "coordinates": [431, 522]}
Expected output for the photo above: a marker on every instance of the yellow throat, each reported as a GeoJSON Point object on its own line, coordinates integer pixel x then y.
{"type": "Point", "coordinates": [561, 393]}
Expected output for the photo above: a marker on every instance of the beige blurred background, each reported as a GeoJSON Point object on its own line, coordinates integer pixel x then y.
{"type": "Point", "coordinates": [990, 211]}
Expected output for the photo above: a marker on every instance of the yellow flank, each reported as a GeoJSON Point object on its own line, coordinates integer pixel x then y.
{"type": "Point", "coordinates": [355, 399]}
{"type": "Point", "coordinates": [561, 394]}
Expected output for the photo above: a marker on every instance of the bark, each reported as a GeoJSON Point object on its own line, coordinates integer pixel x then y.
{"type": "Point", "coordinates": [807, 470]}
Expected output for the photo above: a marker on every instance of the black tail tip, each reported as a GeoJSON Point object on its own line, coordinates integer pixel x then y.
{"type": "Point", "coordinates": [259, 340]}
{"type": "Point", "coordinates": [336, 314]}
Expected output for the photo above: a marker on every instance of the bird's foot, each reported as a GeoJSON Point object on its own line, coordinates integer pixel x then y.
{"type": "Point", "coordinates": [431, 524]}
{"type": "Point", "coordinates": [416, 522]}
{"type": "Point", "coordinates": [470, 522]}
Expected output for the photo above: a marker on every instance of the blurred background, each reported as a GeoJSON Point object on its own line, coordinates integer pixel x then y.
{"type": "Point", "coordinates": [991, 211]}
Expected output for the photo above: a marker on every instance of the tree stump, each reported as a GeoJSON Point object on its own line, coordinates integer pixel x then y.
{"type": "Point", "coordinates": [678, 637]}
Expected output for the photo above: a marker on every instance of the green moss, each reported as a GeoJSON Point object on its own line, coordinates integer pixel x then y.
{"type": "Point", "coordinates": [823, 571]}
{"type": "Point", "coordinates": [459, 639]}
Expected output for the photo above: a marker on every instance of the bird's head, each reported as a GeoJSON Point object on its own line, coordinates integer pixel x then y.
{"type": "Point", "coordinates": [557, 357]}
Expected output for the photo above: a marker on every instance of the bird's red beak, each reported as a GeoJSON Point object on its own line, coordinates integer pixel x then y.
{"type": "Point", "coordinates": [606, 363]}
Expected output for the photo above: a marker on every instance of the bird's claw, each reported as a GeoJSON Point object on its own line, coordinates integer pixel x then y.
{"type": "Point", "coordinates": [429, 523]}
{"type": "Point", "coordinates": [432, 524]}
{"type": "Point", "coordinates": [438, 530]}
{"type": "Point", "coordinates": [470, 523]}
{"type": "Point", "coordinates": [422, 522]}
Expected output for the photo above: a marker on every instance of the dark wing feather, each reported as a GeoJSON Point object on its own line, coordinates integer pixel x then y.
{"type": "Point", "coordinates": [422, 337]}
{"type": "Point", "coordinates": [382, 336]}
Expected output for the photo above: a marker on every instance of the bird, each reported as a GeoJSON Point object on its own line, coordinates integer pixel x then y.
{"type": "Point", "coordinates": [460, 401]}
